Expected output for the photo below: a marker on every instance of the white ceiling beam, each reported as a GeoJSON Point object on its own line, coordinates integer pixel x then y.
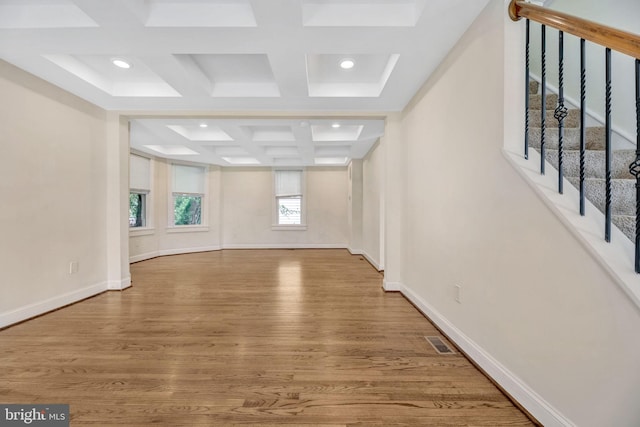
{"type": "Point", "coordinates": [302, 135]}
{"type": "Point", "coordinates": [242, 138]}
{"type": "Point", "coordinates": [112, 13]}
{"type": "Point", "coordinates": [181, 73]}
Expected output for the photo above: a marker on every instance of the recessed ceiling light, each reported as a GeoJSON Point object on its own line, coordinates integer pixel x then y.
{"type": "Point", "coordinates": [120, 63]}
{"type": "Point", "coordinates": [347, 63]}
{"type": "Point", "coordinates": [203, 125]}
{"type": "Point", "coordinates": [335, 125]}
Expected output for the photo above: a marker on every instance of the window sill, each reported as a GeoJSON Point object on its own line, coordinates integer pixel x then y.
{"type": "Point", "coordinates": [141, 231]}
{"type": "Point", "coordinates": [288, 227]}
{"type": "Point", "coordinates": [188, 229]}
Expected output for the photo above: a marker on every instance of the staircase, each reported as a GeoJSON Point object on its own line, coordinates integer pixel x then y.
{"type": "Point", "coordinates": [623, 199]}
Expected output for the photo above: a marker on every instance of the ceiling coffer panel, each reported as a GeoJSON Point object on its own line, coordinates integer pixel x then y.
{"type": "Point", "coordinates": [195, 13]}
{"type": "Point", "coordinates": [366, 75]}
{"type": "Point", "coordinates": [235, 75]}
{"type": "Point", "coordinates": [362, 13]}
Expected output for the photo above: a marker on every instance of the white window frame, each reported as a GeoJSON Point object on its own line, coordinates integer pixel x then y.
{"type": "Point", "coordinates": [148, 227]}
{"type": "Point", "coordinates": [144, 215]}
{"type": "Point", "coordinates": [303, 202]}
{"type": "Point", "coordinates": [204, 212]}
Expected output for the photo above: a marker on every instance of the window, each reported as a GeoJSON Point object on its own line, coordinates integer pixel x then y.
{"type": "Point", "coordinates": [187, 209]}
{"type": "Point", "coordinates": [288, 194]}
{"type": "Point", "coordinates": [137, 209]}
{"type": "Point", "coordinates": [139, 189]}
{"type": "Point", "coordinates": [188, 194]}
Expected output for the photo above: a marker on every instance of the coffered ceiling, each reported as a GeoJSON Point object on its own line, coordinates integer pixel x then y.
{"type": "Point", "coordinates": [258, 142]}
{"type": "Point", "coordinates": [239, 58]}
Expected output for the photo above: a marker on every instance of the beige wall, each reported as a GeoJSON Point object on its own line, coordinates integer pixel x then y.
{"type": "Point", "coordinates": [455, 213]}
{"type": "Point", "coordinates": [354, 206]}
{"type": "Point", "coordinates": [372, 197]}
{"type": "Point", "coordinates": [533, 299]}
{"type": "Point", "coordinates": [394, 153]}
{"type": "Point", "coordinates": [248, 209]}
{"type": "Point", "coordinates": [53, 172]}
{"type": "Point", "coordinates": [163, 240]}
{"type": "Point", "coordinates": [241, 213]}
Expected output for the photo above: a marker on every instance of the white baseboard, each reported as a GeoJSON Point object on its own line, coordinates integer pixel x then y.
{"type": "Point", "coordinates": [41, 307]}
{"type": "Point", "coordinates": [143, 257]}
{"type": "Point", "coordinates": [391, 286]}
{"type": "Point", "coordinates": [179, 251]}
{"type": "Point", "coordinates": [518, 389]}
{"type": "Point", "coordinates": [118, 285]}
{"type": "Point", "coordinates": [164, 252]}
{"type": "Point", "coordinates": [284, 246]}
{"type": "Point", "coordinates": [368, 257]}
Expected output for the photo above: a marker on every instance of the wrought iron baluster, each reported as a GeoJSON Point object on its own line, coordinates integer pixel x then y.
{"type": "Point", "coordinates": [527, 94]}
{"type": "Point", "coordinates": [607, 206]}
{"type": "Point", "coordinates": [560, 112]}
{"type": "Point", "coordinates": [583, 120]}
{"type": "Point", "coordinates": [634, 168]}
{"type": "Point", "coordinates": [543, 98]}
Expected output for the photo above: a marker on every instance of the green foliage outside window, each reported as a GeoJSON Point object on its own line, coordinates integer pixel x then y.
{"type": "Point", "coordinates": [136, 210]}
{"type": "Point", "coordinates": [187, 209]}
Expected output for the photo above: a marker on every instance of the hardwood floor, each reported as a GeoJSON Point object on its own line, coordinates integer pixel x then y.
{"type": "Point", "coordinates": [263, 338]}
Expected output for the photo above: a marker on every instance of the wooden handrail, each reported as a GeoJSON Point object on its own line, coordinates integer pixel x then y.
{"type": "Point", "coordinates": [618, 40]}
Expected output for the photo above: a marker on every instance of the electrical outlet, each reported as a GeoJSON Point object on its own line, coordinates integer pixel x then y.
{"type": "Point", "coordinates": [73, 267]}
{"type": "Point", "coordinates": [457, 293]}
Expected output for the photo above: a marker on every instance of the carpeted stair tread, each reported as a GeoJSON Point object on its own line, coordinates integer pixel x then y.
{"type": "Point", "coordinates": [535, 102]}
{"type": "Point", "coordinates": [594, 138]}
{"type": "Point", "coordinates": [571, 121]}
{"type": "Point", "coordinates": [594, 163]}
{"type": "Point", "coordinates": [623, 198]}
{"type": "Point", "coordinates": [623, 194]}
{"type": "Point", "coordinates": [534, 86]}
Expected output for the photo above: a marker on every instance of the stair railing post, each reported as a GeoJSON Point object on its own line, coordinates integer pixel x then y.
{"type": "Point", "coordinates": [634, 168]}
{"type": "Point", "coordinates": [560, 112]}
{"type": "Point", "coordinates": [543, 98]}
{"type": "Point", "coordinates": [527, 94]}
{"type": "Point", "coordinates": [583, 120]}
{"type": "Point", "coordinates": [607, 206]}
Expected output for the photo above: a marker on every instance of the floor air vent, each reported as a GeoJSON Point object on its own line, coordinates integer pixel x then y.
{"type": "Point", "coordinates": [439, 345]}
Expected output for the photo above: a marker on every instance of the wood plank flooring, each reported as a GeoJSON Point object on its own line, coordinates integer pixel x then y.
{"type": "Point", "coordinates": [240, 338]}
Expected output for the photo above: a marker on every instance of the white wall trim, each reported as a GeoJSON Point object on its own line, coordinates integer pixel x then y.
{"type": "Point", "coordinates": [188, 229]}
{"type": "Point", "coordinates": [37, 308]}
{"type": "Point", "coordinates": [391, 286]}
{"type": "Point", "coordinates": [372, 261]}
{"type": "Point", "coordinates": [368, 257]}
{"type": "Point", "coordinates": [141, 231]}
{"type": "Point", "coordinates": [143, 257]}
{"type": "Point", "coordinates": [118, 285]}
{"type": "Point", "coordinates": [282, 227]}
{"type": "Point", "coordinates": [179, 251]}
{"type": "Point", "coordinates": [542, 410]}
{"type": "Point", "coordinates": [285, 246]}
